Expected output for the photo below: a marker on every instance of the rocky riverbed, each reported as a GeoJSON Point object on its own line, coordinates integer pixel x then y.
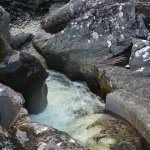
{"type": "Point", "coordinates": [103, 46]}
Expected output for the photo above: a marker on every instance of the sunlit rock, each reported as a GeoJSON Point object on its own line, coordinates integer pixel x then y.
{"type": "Point", "coordinates": [103, 132]}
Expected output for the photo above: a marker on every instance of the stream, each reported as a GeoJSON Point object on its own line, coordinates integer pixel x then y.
{"type": "Point", "coordinates": [67, 101]}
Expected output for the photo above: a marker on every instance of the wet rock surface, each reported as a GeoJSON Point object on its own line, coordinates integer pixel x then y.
{"type": "Point", "coordinates": [102, 131]}
{"type": "Point", "coordinates": [29, 135]}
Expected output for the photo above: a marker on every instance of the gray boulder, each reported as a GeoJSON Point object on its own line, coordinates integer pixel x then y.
{"type": "Point", "coordinates": [130, 106]}
{"type": "Point", "coordinates": [140, 56]}
{"type": "Point", "coordinates": [25, 74]}
{"type": "Point", "coordinates": [104, 32]}
{"type": "Point", "coordinates": [72, 10]}
{"type": "Point", "coordinates": [10, 104]}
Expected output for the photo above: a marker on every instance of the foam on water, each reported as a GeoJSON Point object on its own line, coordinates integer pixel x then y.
{"type": "Point", "coordinates": [67, 100]}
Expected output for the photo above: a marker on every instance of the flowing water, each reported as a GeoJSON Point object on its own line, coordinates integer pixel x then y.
{"type": "Point", "coordinates": [73, 108]}
{"type": "Point", "coordinates": [67, 101]}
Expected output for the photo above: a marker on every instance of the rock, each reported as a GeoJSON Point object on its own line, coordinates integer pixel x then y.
{"type": "Point", "coordinates": [141, 32]}
{"type": "Point", "coordinates": [130, 106]}
{"type": "Point", "coordinates": [132, 100]}
{"type": "Point", "coordinates": [4, 24]}
{"type": "Point", "coordinates": [140, 56]}
{"type": "Point", "coordinates": [29, 48]}
{"type": "Point", "coordinates": [15, 41]}
{"type": "Point", "coordinates": [70, 11]}
{"type": "Point", "coordinates": [34, 4]}
{"type": "Point", "coordinates": [10, 104]}
{"type": "Point", "coordinates": [5, 142]}
{"type": "Point", "coordinates": [99, 40]}
{"type": "Point", "coordinates": [20, 39]}
{"type": "Point", "coordinates": [24, 73]}
{"type": "Point", "coordinates": [102, 131]}
{"type": "Point", "coordinates": [28, 135]}
{"type": "Point", "coordinates": [143, 7]}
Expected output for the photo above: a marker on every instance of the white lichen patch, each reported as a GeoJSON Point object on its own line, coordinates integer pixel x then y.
{"type": "Point", "coordinates": [120, 14]}
{"type": "Point", "coordinates": [2, 89]}
{"type": "Point", "coordinates": [122, 27]}
{"type": "Point", "coordinates": [86, 16]}
{"type": "Point", "coordinates": [95, 35]}
{"type": "Point", "coordinates": [89, 41]}
{"type": "Point", "coordinates": [127, 66]}
{"type": "Point", "coordinates": [62, 31]}
{"type": "Point", "coordinates": [39, 129]}
{"type": "Point", "coordinates": [140, 69]}
{"type": "Point", "coordinates": [120, 8]}
{"type": "Point", "coordinates": [117, 25]}
{"type": "Point", "coordinates": [88, 24]}
{"type": "Point", "coordinates": [59, 144]}
{"type": "Point", "coordinates": [122, 36]}
{"type": "Point", "coordinates": [72, 141]}
{"type": "Point", "coordinates": [146, 55]}
{"type": "Point", "coordinates": [142, 51]}
{"type": "Point", "coordinates": [109, 43]}
{"type": "Point", "coordinates": [135, 45]}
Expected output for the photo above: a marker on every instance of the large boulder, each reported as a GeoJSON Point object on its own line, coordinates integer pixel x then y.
{"type": "Point", "coordinates": [10, 104]}
{"type": "Point", "coordinates": [140, 56]}
{"type": "Point", "coordinates": [104, 32]}
{"type": "Point", "coordinates": [130, 106]}
{"type": "Point", "coordinates": [70, 11]}
{"type": "Point", "coordinates": [24, 73]}
{"type": "Point", "coordinates": [102, 131]}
